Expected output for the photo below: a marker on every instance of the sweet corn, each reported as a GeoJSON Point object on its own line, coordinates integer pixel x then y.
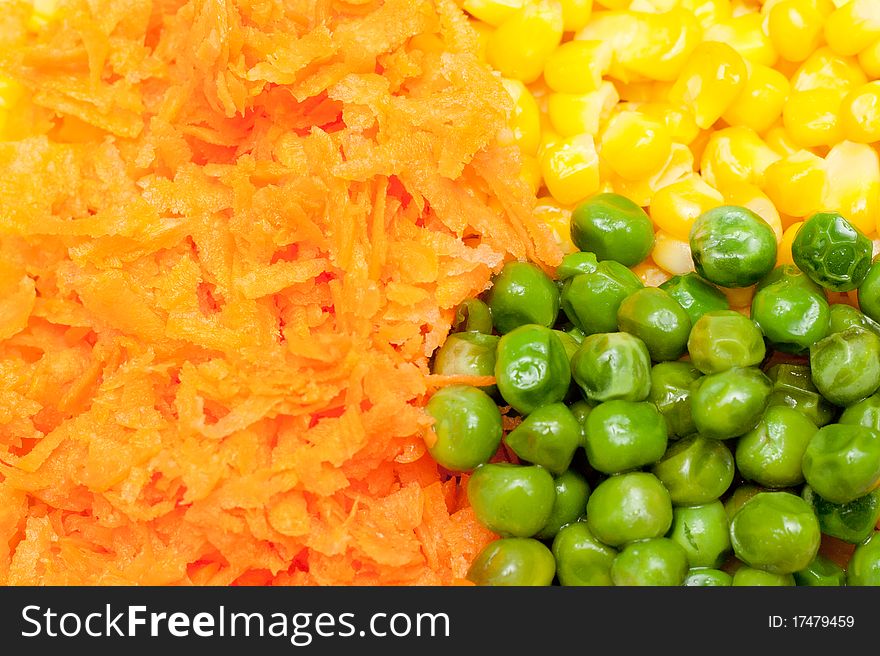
{"type": "Point", "coordinates": [572, 114]}
{"type": "Point", "coordinates": [524, 125]}
{"type": "Point", "coordinates": [492, 12]}
{"type": "Point", "coordinates": [860, 113]}
{"type": "Point", "coordinates": [745, 34]}
{"type": "Point", "coordinates": [523, 42]}
{"type": "Point", "coordinates": [710, 82]}
{"type": "Point", "coordinates": [708, 12]}
{"type": "Point", "coordinates": [824, 69]}
{"type": "Point", "coordinates": [780, 141]}
{"type": "Point", "coordinates": [812, 118]}
{"type": "Point", "coordinates": [783, 251]}
{"type": "Point", "coordinates": [795, 28]}
{"type": "Point", "coordinates": [735, 156]}
{"type": "Point", "coordinates": [575, 14]}
{"type": "Point", "coordinates": [680, 122]}
{"type": "Point", "coordinates": [558, 219]}
{"type": "Point", "coordinates": [671, 254]}
{"type": "Point", "coordinates": [675, 207]}
{"type": "Point", "coordinates": [634, 145]}
{"type": "Point", "coordinates": [531, 172]}
{"type": "Point", "coordinates": [649, 273]}
{"type": "Point", "coordinates": [854, 172]}
{"type": "Point", "coordinates": [750, 196]}
{"type": "Point", "coordinates": [570, 168]}
{"type": "Point", "coordinates": [679, 165]}
{"type": "Point", "coordinates": [43, 13]}
{"type": "Point", "coordinates": [869, 60]}
{"type": "Point", "coordinates": [796, 184]}
{"type": "Point", "coordinates": [761, 101]}
{"type": "Point", "coordinates": [854, 26]}
{"type": "Point", "coordinates": [11, 93]}
{"type": "Point", "coordinates": [577, 66]}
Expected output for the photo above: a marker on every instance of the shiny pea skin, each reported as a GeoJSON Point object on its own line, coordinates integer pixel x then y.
{"type": "Point", "coordinates": [581, 409]}
{"type": "Point", "coordinates": [671, 384]}
{"type": "Point", "coordinates": [752, 577]}
{"type": "Point", "coordinates": [467, 354]}
{"type": "Point", "coordinates": [863, 413]}
{"type": "Point", "coordinates": [609, 366]}
{"type": "Point", "coordinates": [851, 522]}
{"type": "Point", "coordinates": [511, 500]}
{"type": "Point", "coordinates": [775, 531]}
{"type": "Point", "coordinates": [864, 566]}
{"type": "Point", "coordinates": [652, 562]}
{"type": "Point", "coordinates": [591, 300]}
{"type": "Point", "coordinates": [793, 387]}
{"type": "Point", "coordinates": [723, 339]}
{"type": "Point", "coordinates": [843, 316]}
{"type": "Point", "coordinates": [771, 453]}
{"type": "Point", "coordinates": [788, 274]}
{"type": "Point", "coordinates": [522, 294]}
{"type": "Point", "coordinates": [738, 497]}
{"type": "Point", "coordinates": [532, 368]}
{"type": "Point", "coordinates": [582, 559]}
{"type": "Point", "coordinates": [695, 295]}
{"type": "Point", "coordinates": [472, 315]}
{"type": "Point", "coordinates": [625, 435]}
{"type": "Point", "coordinates": [570, 504]}
{"type": "Point", "coordinates": [729, 403]}
{"type": "Point", "coordinates": [791, 317]}
{"type": "Point", "coordinates": [822, 572]}
{"type": "Point", "coordinates": [656, 318]}
{"type": "Point", "coordinates": [842, 462]}
{"type": "Point", "coordinates": [627, 507]}
{"type": "Point", "coordinates": [548, 436]}
{"type": "Point", "coordinates": [513, 562]}
{"type": "Point", "coordinates": [695, 470]}
{"type": "Point", "coordinates": [575, 263]}
{"type": "Point", "coordinates": [467, 427]}
{"type": "Point", "coordinates": [704, 577]}
{"type": "Point", "coordinates": [832, 251]}
{"type": "Point", "coordinates": [613, 227]}
{"type": "Point", "coordinates": [845, 366]}
{"type": "Point", "coordinates": [703, 532]}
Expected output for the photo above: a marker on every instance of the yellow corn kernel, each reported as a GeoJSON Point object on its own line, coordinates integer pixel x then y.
{"type": "Point", "coordinates": [853, 27]}
{"type": "Point", "coordinates": [558, 218]}
{"type": "Point", "coordinates": [796, 184]}
{"type": "Point", "coordinates": [524, 124]}
{"type": "Point", "coordinates": [746, 36]}
{"type": "Point", "coordinates": [570, 168]}
{"type": "Point", "coordinates": [825, 69]}
{"type": "Point", "coordinates": [634, 145]}
{"type": "Point", "coordinates": [43, 13]}
{"type": "Point", "coordinates": [860, 113]}
{"type": "Point", "coordinates": [575, 14]}
{"type": "Point", "coordinates": [577, 66]}
{"type": "Point", "coordinates": [750, 196]}
{"type": "Point", "coordinates": [854, 170]}
{"type": "Point", "coordinates": [707, 12]}
{"type": "Point", "coordinates": [780, 141]}
{"type": "Point", "coordinates": [483, 31]}
{"type": "Point", "coordinates": [675, 207]}
{"type": "Point", "coordinates": [531, 172]}
{"type": "Point", "coordinates": [613, 4]}
{"type": "Point", "coordinates": [783, 251]}
{"type": "Point", "coordinates": [869, 60]}
{"type": "Point", "coordinates": [622, 31]}
{"type": "Point", "coordinates": [795, 28]}
{"type": "Point", "coordinates": [493, 12]}
{"type": "Point", "coordinates": [649, 273]}
{"type": "Point", "coordinates": [761, 101]}
{"type": "Point", "coordinates": [10, 92]}
{"type": "Point", "coordinates": [523, 42]}
{"type": "Point", "coordinates": [572, 114]}
{"type": "Point", "coordinates": [734, 156]}
{"type": "Point", "coordinates": [671, 254]}
{"type": "Point", "coordinates": [812, 118]}
{"type": "Point", "coordinates": [710, 82]}
{"type": "Point", "coordinates": [678, 121]}
{"type": "Point", "coordinates": [679, 165]}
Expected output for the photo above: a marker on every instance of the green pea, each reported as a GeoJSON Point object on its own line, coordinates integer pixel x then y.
{"type": "Point", "coordinates": [653, 562]}
{"type": "Point", "coordinates": [548, 436]}
{"type": "Point", "coordinates": [656, 318]}
{"type": "Point", "coordinates": [790, 275]}
{"type": "Point", "coordinates": [513, 562]}
{"type": "Point", "coordinates": [627, 507]}
{"type": "Point", "coordinates": [771, 453]}
{"type": "Point", "coordinates": [695, 295]}
{"type": "Point", "coordinates": [703, 532]}
{"type": "Point", "coordinates": [581, 559]}
{"type": "Point", "coordinates": [671, 384]}
{"type": "Point", "coordinates": [609, 366]}
{"type": "Point", "coordinates": [845, 366]}
{"type": "Point", "coordinates": [704, 577]}
{"type": "Point", "coordinates": [843, 316]}
{"type": "Point", "coordinates": [738, 497]}
{"type": "Point", "coordinates": [775, 531]}
{"type": "Point", "coordinates": [613, 227]}
{"type": "Point", "coordinates": [723, 339]}
{"type": "Point", "coordinates": [575, 263]}
{"type": "Point", "coordinates": [531, 368]}
{"type": "Point", "coordinates": [822, 572]}
{"type": "Point", "coordinates": [842, 462]}
{"type": "Point", "coordinates": [581, 409]}
{"type": "Point", "coordinates": [792, 317]}
{"type": "Point", "coordinates": [695, 470]}
{"type": "Point", "coordinates": [511, 500]}
{"type": "Point", "coordinates": [751, 577]}
{"type": "Point", "coordinates": [732, 246]}
{"type": "Point", "coordinates": [729, 403]}
{"type": "Point", "coordinates": [832, 252]}
{"type": "Point", "coordinates": [793, 387]}
{"type": "Point", "coordinates": [472, 315]}
{"type": "Point", "coordinates": [864, 565]}
{"type": "Point", "coordinates": [522, 294]}
{"type": "Point", "coordinates": [572, 492]}
{"type": "Point", "coordinates": [591, 300]}
{"type": "Point", "coordinates": [467, 354]}
{"type": "Point", "coordinates": [851, 522]}
{"type": "Point", "coordinates": [625, 435]}
{"type": "Point", "coordinates": [863, 413]}
{"type": "Point", "coordinates": [467, 427]}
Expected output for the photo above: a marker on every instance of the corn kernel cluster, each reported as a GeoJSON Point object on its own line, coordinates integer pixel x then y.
{"type": "Point", "coordinates": [684, 105]}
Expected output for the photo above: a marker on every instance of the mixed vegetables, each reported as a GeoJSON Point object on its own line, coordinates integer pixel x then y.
{"type": "Point", "coordinates": [652, 435]}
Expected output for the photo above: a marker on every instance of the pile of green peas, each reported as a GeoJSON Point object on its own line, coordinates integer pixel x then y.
{"type": "Point", "coordinates": [659, 437]}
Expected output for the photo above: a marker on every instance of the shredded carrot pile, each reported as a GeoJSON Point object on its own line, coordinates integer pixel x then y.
{"type": "Point", "coordinates": [232, 232]}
